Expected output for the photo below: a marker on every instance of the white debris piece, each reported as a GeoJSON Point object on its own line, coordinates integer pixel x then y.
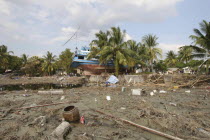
{"type": "Point", "coordinates": [162, 91]}
{"type": "Point", "coordinates": [187, 91]}
{"type": "Point", "coordinates": [108, 98]}
{"type": "Point", "coordinates": [152, 94]}
{"type": "Point", "coordinates": [136, 91]}
{"type": "Point", "coordinates": [62, 97]}
{"type": "Point", "coordinates": [112, 79]}
{"type": "Point", "coordinates": [154, 91]}
{"type": "Point", "coordinates": [173, 104]}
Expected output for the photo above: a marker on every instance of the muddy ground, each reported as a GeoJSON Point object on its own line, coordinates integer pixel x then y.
{"type": "Point", "coordinates": [176, 112]}
{"type": "Point", "coordinates": [14, 80]}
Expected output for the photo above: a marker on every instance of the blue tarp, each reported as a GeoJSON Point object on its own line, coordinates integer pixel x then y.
{"type": "Point", "coordinates": [112, 79]}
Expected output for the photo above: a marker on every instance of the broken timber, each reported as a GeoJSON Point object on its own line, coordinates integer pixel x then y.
{"type": "Point", "coordinates": [140, 126]}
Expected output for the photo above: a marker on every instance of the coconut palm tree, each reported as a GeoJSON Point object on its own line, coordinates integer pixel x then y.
{"type": "Point", "coordinates": [48, 65]}
{"type": "Point", "coordinates": [201, 42]}
{"type": "Point", "coordinates": [116, 50]}
{"type": "Point", "coordinates": [171, 58]}
{"type": "Point", "coordinates": [185, 54]}
{"type": "Point", "coordinates": [102, 39]}
{"type": "Point", "coordinates": [24, 59]}
{"type": "Point", "coordinates": [133, 45]}
{"type": "Point", "coordinates": [150, 42]}
{"type": "Point", "coordinates": [4, 57]}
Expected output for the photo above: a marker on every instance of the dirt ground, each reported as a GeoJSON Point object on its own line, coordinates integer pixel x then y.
{"type": "Point", "coordinates": [13, 80]}
{"type": "Point", "coordinates": [176, 112]}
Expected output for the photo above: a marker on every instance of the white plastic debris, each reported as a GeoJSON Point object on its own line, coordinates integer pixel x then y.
{"type": "Point", "coordinates": [136, 91]}
{"type": "Point", "coordinates": [26, 95]}
{"type": "Point", "coordinates": [108, 98]}
{"type": "Point", "coordinates": [173, 104]}
{"type": "Point", "coordinates": [123, 108]}
{"type": "Point", "coordinates": [187, 91]}
{"type": "Point", "coordinates": [152, 94]}
{"type": "Point", "coordinates": [154, 91]}
{"type": "Point", "coordinates": [162, 91]}
{"type": "Point", "coordinates": [95, 100]}
{"type": "Point", "coordinates": [112, 79]}
{"type": "Point", "coordinates": [62, 97]}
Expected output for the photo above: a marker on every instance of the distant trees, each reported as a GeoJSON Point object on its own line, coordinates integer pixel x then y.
{"type": "Point", "coordinates": [65, 59]}
{"type": "Point", "coordinates": [171, 59]}
{"type": "Point", "coordinates": [150, 43]}
{"type": "Point", "coordinates": [48, 66]}
{"type": "Point", "coordinates": [111, 46]}
{"type": "Point", "coordinates": [4, 58]}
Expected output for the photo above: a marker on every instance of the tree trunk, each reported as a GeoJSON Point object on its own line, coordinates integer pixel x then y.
{"type": "Point", "coordinates": [116, 68]}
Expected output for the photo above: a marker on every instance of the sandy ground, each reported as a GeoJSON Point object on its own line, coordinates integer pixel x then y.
{"type": "Point", "coordinates": [176, 112]}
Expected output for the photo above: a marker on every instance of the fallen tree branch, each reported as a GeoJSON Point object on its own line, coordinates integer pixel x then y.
{"type": "Point", "coordinates": [42, 105]}
{"type": "Point", "coordinates": [140, 126]}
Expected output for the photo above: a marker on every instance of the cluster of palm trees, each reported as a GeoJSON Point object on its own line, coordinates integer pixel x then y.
{"type": "Point", "coordinates": [112, 46]}
{"type": "Point", "coordinates": [35, 66]}
{"type": "Point", "coordinates": [199, 49]}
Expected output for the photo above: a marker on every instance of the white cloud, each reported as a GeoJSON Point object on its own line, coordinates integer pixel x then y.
{"type": "Point", "coordinates": [169, 47]}
{"type": "Point", "coordinates": [4, 7]}
{"type": "Point", "coordinates": [52, 21]}
{"type": "Point", "coordinates": [127, 37]}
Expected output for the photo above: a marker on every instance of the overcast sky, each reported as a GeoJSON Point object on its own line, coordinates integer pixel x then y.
{"type": "Point", "coordinates": [37, 26]}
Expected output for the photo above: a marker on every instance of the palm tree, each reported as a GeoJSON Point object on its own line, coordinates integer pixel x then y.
{"type": "Point", "coordinates": [133, 45]}
{"type": "Point", "coordinates": [201, 42]}
{"type": "Point", "coordinates": [24, 59]}
{"type": "Point", "coordinates": [48, 65]}
{"type": "Point", "coordinates": [4, 57]}
{"type": "Point", "coordinates": [102, 39]}
{"type": "Point", "coordinates": [171, 58]}
{"type": "Point", "coordinates": [150, 42]}
{"type": "Point", "coordinates": [115, 49]}
{"type": "Point", "coordinates": [185, 54]}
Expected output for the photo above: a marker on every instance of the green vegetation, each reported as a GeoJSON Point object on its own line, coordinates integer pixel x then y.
{"type": "Point", "coordinates": [111, 46]}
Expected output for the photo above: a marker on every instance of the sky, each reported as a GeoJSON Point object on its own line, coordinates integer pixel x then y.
{"type": "Point", "coordinates": [34, 27]}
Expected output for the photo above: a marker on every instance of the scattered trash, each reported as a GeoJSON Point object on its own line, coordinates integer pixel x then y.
{"type": "Point", "coordinates": [95, 100]}
{"type": "Point", "coordinates": [41, 121]}
{"type": "Point", "coordinates": [123, 89]}
{"type": "Point", "coordinates": [136, 91]}
{"type": "Point", "coordinates": [176, 87]}
{"type": "Point", "coordinates": [62, 97]}
{"type": "Point", "coordinates": [61, 79]}
{"type": "Point", "coordinates": [123, 108]}
{"type": "Point", "coordinates": [162, 91]}
{"type": "Point", "coordinates": [108, 98]}
{"type": "Point", "coordinates": [187, 91]}
{"type": "Point", "coordinates": [61, 131]}
{"type": "Point", "coordinates": [154, 91]}
{"type": "Point", "coordinates": [26, 95]}
{"type": "Point", "coordinates": [112, 79]}
{"type": "Point", "coordinates": [82, 120]}
{"type": "Point", "coordinates": [204, 132]}
{"type": "Point", "coordinates": [152, 94]}
{"type": "Point", "coordinates": [173, 104]}
{"type": "Point", "coordinates": [71, 114]}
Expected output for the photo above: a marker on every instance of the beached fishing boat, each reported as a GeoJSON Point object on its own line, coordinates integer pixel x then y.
{"type": "Point", "coordinates": [89, 67]}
